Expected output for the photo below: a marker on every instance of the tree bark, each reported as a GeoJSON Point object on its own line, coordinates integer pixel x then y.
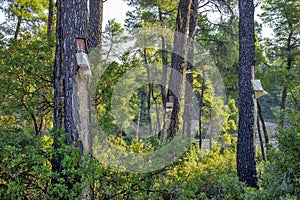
{"type": "Point", "coordinates": [150, 88]}
{"type": "Point", "coordinates": [201, 104]}
{"type": "Point", "coordinates": [72, 23]}
{"type": "Point", "coordinates": [95, 24]}
{"type": "Point", "coordinates": [261, 142]}
{"type": "Point", "coordinates": [189, 76]}
{"type": "Point", "coordinates": [164, 58]}
{"type": "Point", "coordinates": [71, 92]}
{"type": "Point", "coordinates": [50, 18]}
{"type": "Point", "coordinates": [178, 62]}
{"type": "Point", "coordinates": [246, 165]}
{"type": "Point", "coordinates": [264, 128]}
{"type": "Point", "coordinates": [18, 28]}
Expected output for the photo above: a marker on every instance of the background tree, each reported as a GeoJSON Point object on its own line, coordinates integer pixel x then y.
{"type": "Point", "coordinates": [178, 62]}
{"type": "Point", "coordinates": [50, 27]}
{"type": "Point", "coordinates": [189, 69]}
{"type": "Point", "coordinates": [283, 18]}
{"type": "Point", "coordinates": [26, 83]}
{"type": "Point", "coordinates": [25, 15]}
{"type": "Point", "coordinates": [95, 21]}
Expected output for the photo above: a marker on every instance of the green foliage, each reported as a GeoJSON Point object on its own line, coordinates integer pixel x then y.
{"type": "Point", "coordinates": [26, 80]}
{"type": "Point", "coordinates": [158, 13]}
{"type": "Point", "coordinates": [280, 69]}
{"type": "Point", "coordinates": [25, 167]}
{"type": "Point", "coordinates": [75, 172]}
{"type": "Point", "coordinates": [30, 15]}
{"type": "Point", "coordinates": [231, 117]}
{"type": "Point", "coordinates": [26, 171]}
{"type": "Point", "coordinates": [279, 177]}
{"type": "Point", "coordinates": [26, 160]}
{"type": "Point", "coordinates": [206, 172]}
{"type": "Point", "coordinates": [283, 17]}
{"type": "Point", "coordinates": [220, 40]}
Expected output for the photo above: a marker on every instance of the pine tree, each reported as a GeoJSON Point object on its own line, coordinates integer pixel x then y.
{"type": "Point", "coordinates": [178, 62]}
{"type": "Point", "coordinates": [246, 165]}
{"type": "Point", "coordinates": [70, 87]}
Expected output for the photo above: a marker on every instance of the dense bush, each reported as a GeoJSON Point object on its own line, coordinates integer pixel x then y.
{"type": "Point", "coordinates": [280, 178]}
{"type": "Point", "coordinates": [26, 171]}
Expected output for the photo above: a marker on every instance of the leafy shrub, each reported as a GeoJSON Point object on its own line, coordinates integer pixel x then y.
{"type": "Point", "coordinates": [280, 177]}
{"type": "Point", "coordinates": [25, 167]}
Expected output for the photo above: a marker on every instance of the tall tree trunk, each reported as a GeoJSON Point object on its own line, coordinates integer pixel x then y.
{"type": "Point", "coordinates": [50, 18]}
{"type": "Point", "coordinates": [72, 23]}
{"type": "Point", "coordinates": [178, 62]}
{"type": "Point", "coordinates": [150, 88]}
{"type": "Point", "coordinates": [95, 24]}
{"type": "Point", "coordinates": [187, 122]}
{"type": "Point", "coordinates": [164, 58]}
{"type": "Point", "coordinates": [201, 104]}
{"type": "Point", "coordinates": [58, 92]}
{"type": "Point", "coordinates": [246, 165]}
{"type": "Point", "coordinates": [71, 91]}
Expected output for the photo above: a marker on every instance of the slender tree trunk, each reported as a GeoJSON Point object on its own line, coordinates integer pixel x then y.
{"type": "Point", "coordinates": [139, 117]}
{"type": "Point", "coordinates": [18, 27]}
{"type": "Point", "coordinates": [260, 115]}
{"type": "Point", "coordinates": [158, 124]}
{"type": "Point", "coordinates": [58, 93]}
{"type": "Point", "coordinates": [164, 65]}
{"type": "Point", "coordinates": [164, 56]}
{"type": "Point", "coordinates": [282, 105]}
{"type": "Point", "coordinates": [261, 142]}
{"type": "Point", "coordinates": [178, 62]}
{"type": "Point", "coordinates": [246, 165]}
{"type": "Point", "coordinates": [50, 18]}
{"type": "Point", "coordinates": [187, 122]}
{"type": "Point", "coordinates": [150, 88]}
{"type": "Point", "coordinates": [200, 133]}
{"type": "Point", "coordinates": [58, 77]}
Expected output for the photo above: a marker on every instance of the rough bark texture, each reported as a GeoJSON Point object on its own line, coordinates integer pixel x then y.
{"type": "Point", "coordinates": [70, 89]}
{"type": "Point", "coordinates": [164, 56]}
{"type": "Point", "coordinates": [178, 62]}
{"type": "Point", "coordinates": [58, 74]}
{"type": "Point", "coordinates": [72, 23]}
{"type": "Point", "coordinates": [246, 165]}
{"type": "Point", "coordinates": [95, 24]}
{"type": "Point", "coordinates": [50, 18]}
